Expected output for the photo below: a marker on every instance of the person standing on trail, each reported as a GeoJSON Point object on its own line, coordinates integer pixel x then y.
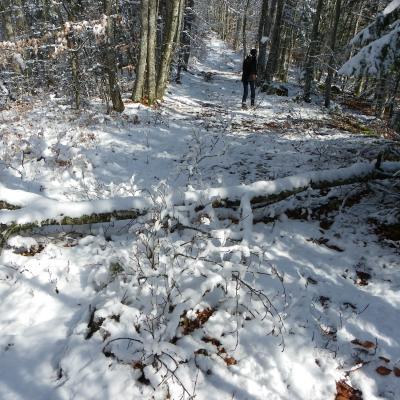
{"type": "Point", "coordinates": [249, 77]}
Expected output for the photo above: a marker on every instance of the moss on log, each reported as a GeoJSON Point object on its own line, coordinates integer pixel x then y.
{"type": "Point", "coordinates": [4, 205]}
{"type": "Point", "coordinates": [6, 231]}
{"type": "Point", "coordinates": [263, 201]}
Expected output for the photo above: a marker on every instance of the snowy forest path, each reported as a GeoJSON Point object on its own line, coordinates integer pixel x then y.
{"type": "Point", "coordinates": [68, 292]}
{"type": "Point", "coordinates": [278, 138]}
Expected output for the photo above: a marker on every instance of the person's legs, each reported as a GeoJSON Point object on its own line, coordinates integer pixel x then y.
{"type": "Point", "coordinates": [253, 92]}
{"type": "Point", "coordinates": [245, 91]}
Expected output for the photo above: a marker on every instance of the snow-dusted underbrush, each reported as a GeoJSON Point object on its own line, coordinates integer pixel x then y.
{"type": "Point", "coordinates": [194, 300]}
{"type": "Point", "coordinates": [174, 305]}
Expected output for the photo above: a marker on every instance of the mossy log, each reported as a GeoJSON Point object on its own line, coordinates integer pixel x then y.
{"type": "Point", "coordinates": [6, 231]}
{"type": "Point", "coordinates": [4, 205]}
{"type": "Point", "coordinates": [263, 201]}
{"type": "Point", "coordinates": [321, 180]}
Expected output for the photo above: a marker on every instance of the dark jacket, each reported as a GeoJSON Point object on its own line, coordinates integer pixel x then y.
{"type": "Point", "coordinates": [249, 68]}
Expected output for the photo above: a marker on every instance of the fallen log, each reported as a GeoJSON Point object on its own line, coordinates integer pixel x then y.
{"type": "Point", "coordinates": [6, 231]}
{"type": "Point", "coordinates": [264, 193]}
{"type": "Point", "coordinates": [33, 210]}
{"type": "Point", "coordinates": [46, 212]}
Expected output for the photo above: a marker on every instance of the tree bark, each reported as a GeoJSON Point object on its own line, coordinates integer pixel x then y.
{"type": "Point", "coordinates": [244, 32]}
{"type": "Point", "coordinates": [331, 70]}
{"type": "Point", "coordinates": [166, 55]}
{"type": "Point", "coordinates": [312, 52]}
{"type": "Point", "coordinates": [74, 57]}
{"type": "Point", "coordinates": [137, 94]}
{"type": "Point", "coordinates": [188, 20]}
{"type": "Point", "coordinates": [273, 56]}
{"type": "Point", "coordinates": [393, 98]}
{"type": "Point", "coordinates": [110, 60]}
{"type": "Point", "coordinates": [381, 94]}
{"type": "Point", "coordinates": [74, 60]}
{"type": "Point", "coordinates": [262, 42]}
{"type": "Point", "coordinates": [151, 52]}
{"type": "Point", "coordinates": [6, 17]}
{"type": "Point", "coordinates": [270, 17]}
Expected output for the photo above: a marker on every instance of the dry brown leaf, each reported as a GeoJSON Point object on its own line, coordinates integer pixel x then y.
{"type": "Point", "coordinates": [190, 325]}
{"type": "Point", "coordinates": [137, 365]}
{"type": "Point", "coordinates": [396, 372]}
{"type": "Point", "coordinates": [383, 370]}
{"type": "Point", "coordinates": [366, 344]}
{"type": "Point", "coordinates": [230, 361]}
{"type": "Point", "coordinates": [346, 392]}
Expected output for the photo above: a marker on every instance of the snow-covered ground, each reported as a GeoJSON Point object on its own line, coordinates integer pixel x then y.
{"type": "Point", "coordinates": [192, 300]}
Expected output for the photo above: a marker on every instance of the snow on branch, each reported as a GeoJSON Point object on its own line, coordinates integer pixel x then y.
{"type": "Point", "coordinates": [375, 30]}
{"type": "Point", "coordinates": [378, 56]}
{"type": "Point", "coordinates": [379, 44]}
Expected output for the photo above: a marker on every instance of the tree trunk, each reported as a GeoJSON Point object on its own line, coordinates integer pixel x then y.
{"type": "Point", "coordinates": [273, 56]}
{"type": "Point", "coordinates": [282, 54]}
{"type": "Point", "coordinates": [357, 173]}
{"type": "Point", "coordinates": [184, 37]}
{"type": "Point", "coordinates": [359, 85]}
{"type": "Point", "coordinates": [137, 94]}
{"type": "Point", "coordinates": [393, 97]}
{"type": "Point", "coordinates": [74, 58]}
{"type": "Point", "coordinates": [381, 95]}
{"type": "Point", "coordinates": [166, 55]}
{"type": "Point", "coordinates": [151, 52]}
{"type": "Point", "coordinates": [357, 25]}
{"type": "Point", "coordinates": [6, 18]}
{"type": "Point", "coordinates": [312, 52]}
{"type": "Point", "coordinates": [20, 16]}
{"type": "Point", "coordinates": [331, 70]}
{"type": "Point", "coordinates": [270, 17]}
{"type": "Point", "coordinates": [244, 32]}
{"type": "Point", "coordinates": [262, 41]}
{"type": "Point", "coordinates": [395, 120]}
{"type": "Point", "coordinates": [188, 20]}
{"type": "Point", "coordinates": [74, 69]}
{"type": "Point", "coordinates": [263, 17]}
{"type": "Point", "coordinates": [239, 22]}
{"type": "Point", "coordinates": [110, 60]}
{"type": "Point", "coordinates": [289, 54]}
